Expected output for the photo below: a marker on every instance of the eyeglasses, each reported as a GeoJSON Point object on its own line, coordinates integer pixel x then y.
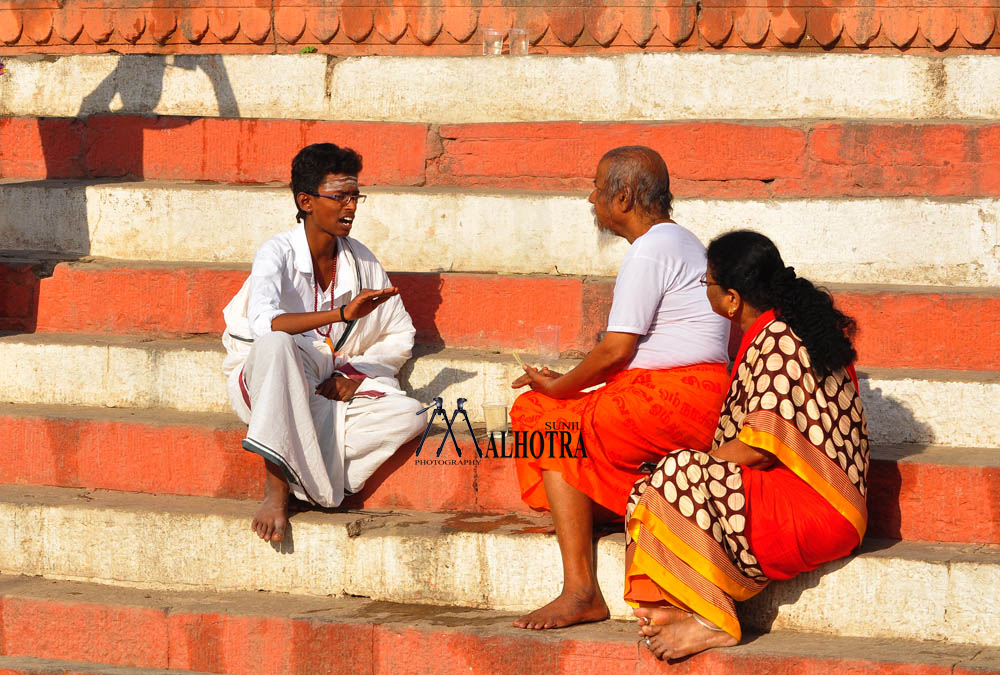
{"type": "Point", "coordinates": [705, 282]}
{"type": "Point", "coordinates": [341, 198]}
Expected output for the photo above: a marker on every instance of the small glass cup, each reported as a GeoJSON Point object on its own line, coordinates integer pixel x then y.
{"type": "Point", "coordinates": [492, 42]}
{"type": "Point", "coordinates": [496, 417]}
{"type": "Point", "coordinates": [547, 341]}
{"type": "Point", "coordinates": [519, 43]}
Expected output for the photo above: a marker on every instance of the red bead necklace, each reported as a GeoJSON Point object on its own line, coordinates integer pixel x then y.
{"type": "Point", "coordinates": [333, 281]}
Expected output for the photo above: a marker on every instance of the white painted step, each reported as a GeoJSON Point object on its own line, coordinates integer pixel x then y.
{"type": "Point", "coordinates": [891, 590]}
{"type": "Point", "coordinates": [950, 408]}
{"type": "Point", "coordinates": [860, 240]}
{"type": "Point", "coordinates": [662, 86]}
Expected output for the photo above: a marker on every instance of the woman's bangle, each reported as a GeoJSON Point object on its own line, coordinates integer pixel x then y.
{"type": "Point", "coordinates": [342, 319]}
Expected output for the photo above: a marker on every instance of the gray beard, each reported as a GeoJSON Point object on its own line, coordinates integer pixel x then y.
{"type": "Point", "coordinates": [605, 237]}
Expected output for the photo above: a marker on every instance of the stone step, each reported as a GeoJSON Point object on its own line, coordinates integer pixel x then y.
{"type": "Point", "coordinates": [449, 90]}
{"type": "Point", "coordinates": [278, 634]}
{"type": "Point", "coordinates": [899, 326]}
{"type": "Point", "coordinates": [503, 562]}
{"type": "Point", "coordinates": [919, 241]}
{"type": "Point", "coordinates": [915, 492]}
{"type": "Point", "coordinates": [706, 159]}
{"type": "Point", "coordinates": [940, 407]}
{"type": "Point", "coordinates": [27, 665]}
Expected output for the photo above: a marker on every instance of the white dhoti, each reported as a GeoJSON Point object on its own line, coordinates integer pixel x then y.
{"type": "Point", "coordinates": [325, 447]}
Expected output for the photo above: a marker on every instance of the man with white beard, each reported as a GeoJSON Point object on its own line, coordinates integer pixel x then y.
{"type": "Point", "coordinates": [663, 363]}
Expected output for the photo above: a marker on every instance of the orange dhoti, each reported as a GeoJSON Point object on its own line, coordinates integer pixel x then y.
{"type": "Point", "coordinates": [639, 416]}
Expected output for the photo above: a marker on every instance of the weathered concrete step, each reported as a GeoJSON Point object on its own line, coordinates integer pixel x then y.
{"type": "Point", "coordinates": [27, 665]}
{"type": "Point", "coordinates": [706, 159]}
{"type": "Point", "coordinates": [899, 326]}
{"type": "Point", "coordinates": [503, 562]}
{"type": "Point", "coordinates": [920, 241]}
{"type": "Point", "coordinates": [461, 90]}
{"type": "Point", "coordinates": [277, 634]}
{"type": "Point", "coordinates": [915, 492]}
{"type": "Point", "coordinates": [940, 407]}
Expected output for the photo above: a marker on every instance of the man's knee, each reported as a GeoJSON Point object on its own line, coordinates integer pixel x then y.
{"type": "Point", "coordinates": [274, 341]}
{"type": "Point", "coordinates": [527, 404]}
{"type": "Point", "coordinates": [405, 417]}
{"type": "Point", "coordinates": [270, 349]}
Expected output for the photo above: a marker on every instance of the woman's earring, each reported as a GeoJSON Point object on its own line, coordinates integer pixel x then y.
{"type": "Point", "coordinates": [732, 311]}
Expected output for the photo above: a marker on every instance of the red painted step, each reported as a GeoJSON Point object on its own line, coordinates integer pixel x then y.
{"type": "Point", "coordinates": [915, 492]}
{"type": "Point", "coordinates": [899, 326]}
{"type": "Point", "coordinates": [179, 299]}
{"type": "Point", "coordinates": [277, 634]}
{"type": "Point", "coordinates": [706, 159]}
{"type": "Point", "coordinates": [26, 665]}
{"type": "Point", "coordinates": [200, 148]}
{"type": "Point", "coordinates": [726, 159]}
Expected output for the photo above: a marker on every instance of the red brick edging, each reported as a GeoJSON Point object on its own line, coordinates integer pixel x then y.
{"type": "Point", "coordinates": [580, 26]}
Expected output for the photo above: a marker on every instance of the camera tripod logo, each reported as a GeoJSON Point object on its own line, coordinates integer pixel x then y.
{"type": "Point", "coordinates": [438, 406]}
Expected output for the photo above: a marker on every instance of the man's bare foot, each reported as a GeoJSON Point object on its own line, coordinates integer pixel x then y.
{"type": "Point", "coordinates": [272, 516]}
{"type": "Point", "coordinates": [653, 619]}
{"type": "Point", "coordinates": [684, 638]}
{"type": "Point", "coordinates": [566, 610]}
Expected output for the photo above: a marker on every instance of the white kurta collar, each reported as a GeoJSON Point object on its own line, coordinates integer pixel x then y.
{"type": "Point", "coordinates": [346, 263]}
{"type": "Point", "coordinates": [346, 272]}
{"type": "Point", "coordinates": [300, 246]}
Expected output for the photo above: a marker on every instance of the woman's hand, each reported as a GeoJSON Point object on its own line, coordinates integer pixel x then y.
{"type": "Point", "coordinates": [739, 452]}
{"type": "Point", "coordinates": [365, 302]}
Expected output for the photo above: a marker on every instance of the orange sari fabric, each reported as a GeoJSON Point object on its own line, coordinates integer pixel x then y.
{"type": "Point", "coordinates": [792, 529]}
{"type": "Point", "coordinates": [639, 416]}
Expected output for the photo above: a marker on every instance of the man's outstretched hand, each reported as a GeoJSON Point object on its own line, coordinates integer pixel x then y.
{"type": "Point", "coordinates": [337, 388]}
{"type": "Point", "coordinates": [539, 380]}
{"type": "Point", "coordinates": [365, 302]}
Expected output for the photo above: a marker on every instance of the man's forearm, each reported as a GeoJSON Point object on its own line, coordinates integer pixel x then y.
{"type": "Point", "coordinates": [293, 324]}
{"type": "Point", "coordinates": [598, 366]}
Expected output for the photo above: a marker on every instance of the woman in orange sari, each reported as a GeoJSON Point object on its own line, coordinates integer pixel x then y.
{"type": "Point", "coordinates": [782, 490]}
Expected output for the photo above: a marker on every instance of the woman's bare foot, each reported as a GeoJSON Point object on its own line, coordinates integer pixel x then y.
{"type": "Point", "coordinates": [653, 618]}
{"type": "Point", "coordinates": [272, 517]}
{"type": "Point", "coordinates": [684, 638]}
{"type": "Point", "coordinates": [566, 610]}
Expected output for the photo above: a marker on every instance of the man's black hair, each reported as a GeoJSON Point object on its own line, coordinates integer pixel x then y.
{"type": "Point", "coordinates": [314, 162]}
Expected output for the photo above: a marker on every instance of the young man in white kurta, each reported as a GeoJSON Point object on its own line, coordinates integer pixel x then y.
{"type": "Point", "coordinates": [284, 384]}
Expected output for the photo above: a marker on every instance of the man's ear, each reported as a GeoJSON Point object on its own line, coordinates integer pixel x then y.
{"type": "Point", "coordinates": [305, 202]}
{"type": "Point", "coordinates": [625, 199]}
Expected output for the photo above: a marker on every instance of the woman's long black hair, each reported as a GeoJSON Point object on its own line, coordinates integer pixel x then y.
{"type": "Point", "coordinates": [749, 262]}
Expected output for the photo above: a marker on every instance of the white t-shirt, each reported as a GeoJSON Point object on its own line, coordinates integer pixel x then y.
{"type": "Point", "coordinates": [658, 296]}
